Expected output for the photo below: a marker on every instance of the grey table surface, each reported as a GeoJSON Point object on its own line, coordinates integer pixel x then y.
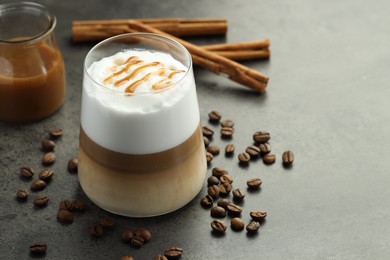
{"type": "Point", "coordinates": [327, 100]}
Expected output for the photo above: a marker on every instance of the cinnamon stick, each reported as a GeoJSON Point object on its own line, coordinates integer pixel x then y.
{"type": "Point", "coordinates": [249, 45]}
{"type": "Point", "coordinates": [212, 61]}
{"type": "Point", "coordinates": [245, 54]}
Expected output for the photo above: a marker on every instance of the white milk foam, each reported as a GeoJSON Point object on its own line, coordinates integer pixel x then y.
{"type": "Point", "coordinates": [145, 121]}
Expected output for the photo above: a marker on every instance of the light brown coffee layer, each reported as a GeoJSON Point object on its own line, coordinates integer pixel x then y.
{"type": "Point", "coordinates": [140, 163]}
{"type": "Point", "coordinates": [139, 193]}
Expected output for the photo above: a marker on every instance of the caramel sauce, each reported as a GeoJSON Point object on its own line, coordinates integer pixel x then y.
{"type": "Point", "coordinates": [32, 82]}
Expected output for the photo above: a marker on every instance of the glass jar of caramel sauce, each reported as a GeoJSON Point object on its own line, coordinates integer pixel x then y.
{"type": "Point", "coordinates": [32, 75]}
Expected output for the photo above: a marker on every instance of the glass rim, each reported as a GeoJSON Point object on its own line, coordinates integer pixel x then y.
{"type": "Point", "coordinates": [147, 35]}
{"type": "Point", "coordinates": [10, 7]}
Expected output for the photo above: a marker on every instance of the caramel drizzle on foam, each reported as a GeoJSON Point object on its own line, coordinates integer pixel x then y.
{"type": "Point", "coordinates": [165, 73]}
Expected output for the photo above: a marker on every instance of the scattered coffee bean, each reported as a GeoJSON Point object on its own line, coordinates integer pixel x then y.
{"type": "Point", "coordinates": [234, 209]}
{"type": "Point", "coordinates": [22, 195]}
{"type": "Point", "coordinates": [160, 257]}
{"type": "Point", "coordinates": [269, 158]}
{"type": "Point", "coordinates": [65, 204]}
{"type": "Point", "coordinates": [253, 151]}
{"type": "Point", "coordinates": [237, 224]}
{"type": "Point", "coordinates": [213, 149]}
{"type": "Point", "coordinates": [218, 226]}
{"type": "Point", "coordinates": [223, 203]}
{"type": "Point", "coordinates": [78, 205]}
{"type": "Point", "coordinates": [127, 235]}
{"type": "Point", "coordinates": [48, 145]}
{"type": "Point", "coordinates": [27, 172]}
{"type": "Point", "coordinates": [137, 241]}
{"type": "Point", "coordinates": [227, 132]}
{"type": "Point", "coordinates": [265, 148]}
{"type": "Point", "coordinates": [207, 131]}
{"type": "Point", "coordinates": [206, 141]}
{"type": "Point", "coordinates": [218, 212]}
{"type": "Point", "coordinates": [96, 230]}
{"type": "Point", "coordinates": [218, 172]}
{"type": "Point", "coordinates": [213, 191]}
{"type": "Point", "coordinates": [48, 158]}
{"type": "Point", "coordinates": [226, 178]}
{"type": "Point", "coordinates": [41, 201]}
{"type": "Point", "coordinates": [127, 257]}
{"type": "Point", "coordinates": [258, 215]}
{"type": "Point", "coordinates": [144, 233]}
{"type": "Point", "coordinates": [254, 183]}
{"type": "Point", "coordinates": [38, 185]}
{"type": "Point", "coordinates": [224, 189]}
{"type": "Point", "coordinates": [107, 222]}
{"type": "Point", "coordinates": [212, 180]}
{"type": "Point", "coordinates": [55, 133]}
{"type": "Point", "coordinates": [214, 116]}
{"type": "Point", "coordinates": [73, 165]}
{"type": "Point", "coordinates": [46, 174]}
{"type": "Point", "coordinates": [38, 248]}
{"type": "Point", "coordinates": [244, 158]}
{"type": "Point", "coordinates": [173, 253]}
{"type": "Point", "coordinates": [252, 227]}
{"type": "Point", "coordinates": [261, 137]}
{"type": "Point", "coordinates": [209, 157]}
{"type": "Point", "coordinates": [206, 201]}
{"type": "Point", "coordinates": [229, 149]}
{"type": "Point", "coordinates": [65, 216]}
{"type": "Point", "coordinates": [227, 123]}
{"type": "Point", "coordinates": [288, 158]}
{"type": "Point", "coordinates": [238, 194]}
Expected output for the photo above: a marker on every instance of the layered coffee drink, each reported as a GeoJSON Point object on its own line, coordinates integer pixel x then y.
{"type": "Point", "coordinates": [141, 151]}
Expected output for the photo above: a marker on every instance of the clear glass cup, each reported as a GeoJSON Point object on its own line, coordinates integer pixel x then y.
{"type": "Point", "coordinates": [32, 78]}
{"type": "Point", "coordinates": [140, 154]}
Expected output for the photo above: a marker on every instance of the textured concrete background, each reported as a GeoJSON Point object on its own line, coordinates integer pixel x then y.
{"type": "Point", "coordinates": [327, 101]}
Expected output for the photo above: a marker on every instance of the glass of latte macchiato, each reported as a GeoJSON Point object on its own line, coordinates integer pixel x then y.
{"type": "Point", "coordinates": [141, 150]}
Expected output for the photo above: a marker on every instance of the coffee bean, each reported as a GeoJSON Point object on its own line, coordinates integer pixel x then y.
{"type": "Point", "coordinates": [65, 204]}
{"type": "Point", "coordinates": [226, 178]}
{"type": "Point", "coordinates": [229, 149]}
{"type": "Point", "coordinates": [234, 209]}
{"type": "Point", "coordinates": [137, 241]}
{"type": "Point", "coordinates": [41, 201]}
{"type": "Point", "coordinates": [48, 145]}
{"type": "Point", "coordinates": [244, 158]}
{"type": "Point", "coordinates": [209, 157]}
{"type": "Point", "coordinates": [127, 235]}
{"type": "Point", "coordinates": [214, 116]}
{"type": "Point", "coordinates": [96, 230]}
{"type": "Point", "coordinates": [223, 203]}
{"type": "Point", "coordinates": [38, 248]}
{"type": "Point", "coordinates": [261, 137]}
{"type": "Point", "coordinates": [252, 227]}
{"type": "Point", "coordinates": [265, 148]}
{"type": "Point", "coordinates": [227, 123]}
{"type": "Point", "coordinates": [254, 183]}
{"type": "Point", "coordinates": [253, 151]}
{"type": "Point", "coordinates": [160, 257]}
{"type": "Point", "coordinates": [269, 158]}
{"type": "Point", "coordinates": [26, 172]}
{"type": "Point", "coordinates": [173, 252]}
{"type": "Point", "coordinates": [258, 215]}
{"type": "Point", "coordinates": [237, 224]}
{"type": "Point", "coordinates": [38, 185]}
{"type": "Point", "coordinates": [238, 194]}
{"type": "Point", "coordinates": [46, 174]}
{"type": "Point", "coordinates": [213, 149]}
{"type": "Point", "coordinates": [206, 201]}
{"type": "Point", "coordinates": [287, 158]}
{"type": "Point", "coordinates": [206, 141]}
{"type": "Point", "coordinates": [73, 165]}
{"type": "Point", "coordinates": [78, 205]}
{"type": "Point", "coordinates": [65, 216]}
{"type": "Point", "coordinates": [218, 212]}
{"type": "Point", "coordinates": [227, 132]}
{"type": "Point", "coordinates": [127, 257]}
{"type": "Point", "coordinates": [55, 133]}
{"type": "Point", "coordinates": [144, 233]}
{"type": "Point", "coordinates": [224, 189]}
{"type": "Point", "coordinates": [213, 191]}
{"type": "Point", "coordinates": [48, 158]}
{"type": "Point", "coordinates": [207, 131]}
{"type": "Point", "coordinates": [218, 172]}
{"type": "Point", "coordinates": [212, 180]}
{"type": "Point", "coordinates": [22, 195]}
{"type": "Point", "coordinates": [107, 222]}
{"type": "Point", "coordinates": [218, 226]}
